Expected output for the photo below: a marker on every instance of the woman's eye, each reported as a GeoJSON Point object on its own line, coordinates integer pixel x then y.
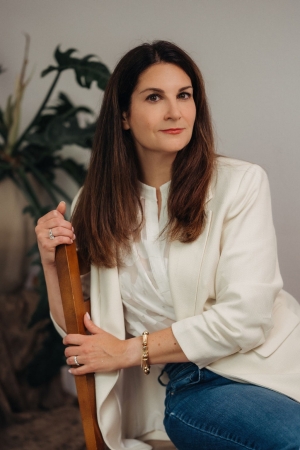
{"type": "Point", "coordinates": [153, 97]}
{"type": "Point", "coordinates": [184, 95]}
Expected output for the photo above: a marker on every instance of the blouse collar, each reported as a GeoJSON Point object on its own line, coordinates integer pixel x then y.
{"type": "Point", "coordinates": [149, 192]}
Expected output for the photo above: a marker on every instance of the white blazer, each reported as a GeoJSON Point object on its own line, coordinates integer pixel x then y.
{"type": "Point", "coordinates": [232, 315]}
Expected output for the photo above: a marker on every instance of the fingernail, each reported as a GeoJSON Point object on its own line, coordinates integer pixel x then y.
{"type": "Point", "coordinates": [74, 236]}
{"type": "Point", "coordinates": [62, 201]}
{"type": "Point", "coordinates": [88, 316]}
{"type": "Point", "coordinates": [73, 229]}
{"type": "Point", "coordinates": [70, 370]}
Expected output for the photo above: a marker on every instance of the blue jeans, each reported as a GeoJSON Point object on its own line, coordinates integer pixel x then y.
{"type": "Point", "coordinates": [206, 411]}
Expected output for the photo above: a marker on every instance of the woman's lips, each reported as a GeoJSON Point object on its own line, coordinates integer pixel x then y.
{"type": "Point", "coordinates": [173, 130]}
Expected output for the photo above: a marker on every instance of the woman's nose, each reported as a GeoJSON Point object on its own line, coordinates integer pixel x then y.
{"type": "Point", "coordinates": [173, 111]}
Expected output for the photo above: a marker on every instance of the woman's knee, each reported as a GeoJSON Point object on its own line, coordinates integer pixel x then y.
{"type": "Point", "coordinates": [228, 415]}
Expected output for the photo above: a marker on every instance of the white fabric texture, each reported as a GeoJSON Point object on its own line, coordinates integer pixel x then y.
{"type": "Point", "coordinates": [144, 280]}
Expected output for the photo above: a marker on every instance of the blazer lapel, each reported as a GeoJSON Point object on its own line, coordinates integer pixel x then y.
{"type": "Point", "coordinates": [185, 262]}
{"type": "Point", "coordinates": [106, 302]}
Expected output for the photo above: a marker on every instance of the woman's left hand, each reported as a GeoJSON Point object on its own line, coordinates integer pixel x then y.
{"type": "Point", "coordinates": [98, 352]}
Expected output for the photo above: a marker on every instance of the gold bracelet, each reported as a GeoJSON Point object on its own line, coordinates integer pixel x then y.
{"type": "Point", "coordinates": [145, 354]}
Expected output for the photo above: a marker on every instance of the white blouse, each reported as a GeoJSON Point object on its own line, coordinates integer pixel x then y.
{"type": "Point", "coordinates": [144, 281]}
{"type": "Point", "coordinates": [143, 278]}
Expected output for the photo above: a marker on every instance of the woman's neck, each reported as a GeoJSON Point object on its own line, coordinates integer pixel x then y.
{"type": "Point", "coordinates": [156, 168]}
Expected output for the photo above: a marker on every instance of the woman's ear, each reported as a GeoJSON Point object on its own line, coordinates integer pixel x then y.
{"type": "Point", "coordinates": [125, 123]}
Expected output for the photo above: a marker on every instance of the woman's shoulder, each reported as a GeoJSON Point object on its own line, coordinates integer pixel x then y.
{"type": "Point", "coordinates": [233, 175]}
{"type": "Point", "coordinates": [227, 164]}
{"type": "Point", "coordinates": [236, 168]}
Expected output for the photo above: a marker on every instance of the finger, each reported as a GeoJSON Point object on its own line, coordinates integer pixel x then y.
{"type": "Point", "coordinates": [54, 222]}
{"type": "Point", "coordinates": [75, 361]}
{"type": "Point", "coordinates": [72, 350]}
{"type": "Point", "coordinates": [61, 207]}
{"type": "Point", "coordinates": [58, 227]}
{"type": "Point", "coordinates": [59, 231]}
{"type": "Point", "coordinates": [82, 370]}
{"type": "Point", "coordinates": [58, 240]}
{"type": "Point", "coordinates": [47, 244]}
{"type": "Point", "coordinates": [50, 215]}
{"type": "Point", "coordinates": [89, 324]}
{"type": "Point", "coordinates": [74, 339]}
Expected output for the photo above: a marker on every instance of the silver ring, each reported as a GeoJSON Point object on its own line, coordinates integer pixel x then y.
{"type": "Point", "coordinates": [51, 236]}
{"type": "Point", "coordinates": [76, 362]}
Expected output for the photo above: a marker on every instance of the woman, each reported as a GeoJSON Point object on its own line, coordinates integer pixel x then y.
{"type": "Point", "coordinates": [180, 243]}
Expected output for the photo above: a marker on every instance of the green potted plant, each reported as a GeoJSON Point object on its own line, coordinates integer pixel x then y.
{"type": "Point", "coordinates": [29, 162]}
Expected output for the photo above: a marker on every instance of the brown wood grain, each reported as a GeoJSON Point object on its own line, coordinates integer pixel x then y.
{"type": "Point", "coordinates": [74, 309]}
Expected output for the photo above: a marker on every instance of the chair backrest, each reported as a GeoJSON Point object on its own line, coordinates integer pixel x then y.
{"type": "Point", "coordinates": [74, 309]}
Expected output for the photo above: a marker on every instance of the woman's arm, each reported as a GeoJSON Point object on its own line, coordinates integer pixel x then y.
{"type": "Point", "coordinates": [103, 352]}
{"type": "Point", "coordinates": [63, 234]}
{"type": "Point", "coordinates": [100, 351]}
{"type": "Point", "coordinates": [247, 278]}
{"type": "Point", "coordinates": [54, 297]}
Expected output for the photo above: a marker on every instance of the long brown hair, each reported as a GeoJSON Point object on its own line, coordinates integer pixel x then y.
{"type": "Point", "coordinates": [109, 211]}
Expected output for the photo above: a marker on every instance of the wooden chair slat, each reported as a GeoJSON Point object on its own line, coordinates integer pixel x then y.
{"type": "Point", "coordinates": [74, 308]}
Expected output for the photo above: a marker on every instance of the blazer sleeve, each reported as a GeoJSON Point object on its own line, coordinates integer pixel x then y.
{"type": "Point", "coordinates": [247, 279]}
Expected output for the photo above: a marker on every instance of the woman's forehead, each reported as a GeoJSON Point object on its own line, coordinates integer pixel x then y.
{"type": "Point", "coordinates": [163, 76]}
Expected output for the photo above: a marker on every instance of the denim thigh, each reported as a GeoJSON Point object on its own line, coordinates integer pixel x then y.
{"type": "Point", "coordinates": [206, 411]}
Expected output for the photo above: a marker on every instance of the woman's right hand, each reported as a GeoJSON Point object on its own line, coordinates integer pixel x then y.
{"type": "Point", "coordinates": [62, 231]}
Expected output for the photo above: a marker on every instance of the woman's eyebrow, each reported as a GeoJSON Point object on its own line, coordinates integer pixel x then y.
{"type": "Point", "coordinates": [153, 89]}
{"type": "Point", "coordinates": [184, 88]}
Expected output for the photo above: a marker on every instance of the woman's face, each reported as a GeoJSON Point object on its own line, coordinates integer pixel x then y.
{"type": "Point", "coordinates": [162, 111]}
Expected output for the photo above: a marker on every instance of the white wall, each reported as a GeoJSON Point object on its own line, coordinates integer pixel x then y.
{"type": "Point", "coordinates": [248, 51]}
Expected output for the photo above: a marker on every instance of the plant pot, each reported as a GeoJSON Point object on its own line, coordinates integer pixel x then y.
{"type": "Point", "coordinates": [16, 237]}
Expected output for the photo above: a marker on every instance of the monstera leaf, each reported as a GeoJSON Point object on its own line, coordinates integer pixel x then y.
{"type": "Point", "coordinates": [59, 126]}
{"type": "Point", "coordinates": [73, 169]}
{"type": "Point", "coordinates": [63, 130]}
{"type": "Point", "coordinates": [63, 105]}
{"type": "Point", "coordinates": [86, 71]}
{"type": "Point", "coordinates": [32, 159]}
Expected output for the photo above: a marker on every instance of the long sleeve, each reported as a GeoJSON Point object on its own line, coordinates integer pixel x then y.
{"type": "Point", "coordinates": [247, 279]}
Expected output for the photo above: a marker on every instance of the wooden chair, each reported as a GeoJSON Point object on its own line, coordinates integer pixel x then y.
{"type": "Point", "coordinates": [74, 308]}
